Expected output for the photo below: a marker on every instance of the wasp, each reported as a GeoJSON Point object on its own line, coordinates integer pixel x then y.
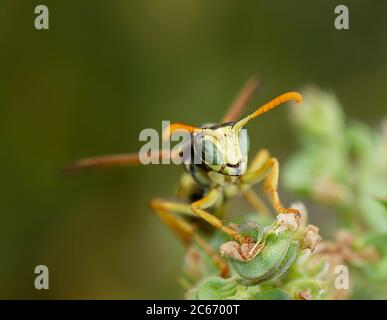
{"type": "Point", "coordinates": [206, 185]}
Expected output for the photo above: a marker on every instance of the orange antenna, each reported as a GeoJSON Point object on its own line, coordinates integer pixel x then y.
{"type": "Point", "coordinates": [168, 131]}
{"type": "Point", "coordinates": [288, 96]}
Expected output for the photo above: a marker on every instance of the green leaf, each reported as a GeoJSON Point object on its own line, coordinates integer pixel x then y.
{"type": "Point", "coordinates": [383, 201]}
{"type": "Point", "coordinates": [272, 294]}
{"type": "Point", "coordinates": [379, 240]}
{"type": "Point", "coordinates": [213, 288]}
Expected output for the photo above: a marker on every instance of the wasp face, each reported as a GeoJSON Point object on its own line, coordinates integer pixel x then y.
{"type": "Point", "coordinates": [223, 149]}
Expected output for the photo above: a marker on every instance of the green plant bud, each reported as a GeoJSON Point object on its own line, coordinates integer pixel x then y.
{"type": "Point", "coordinates": [213, 288]}
{"type": "Point", "coordinates": [272, 294]}
{"type": "Point", "coordinates": [319, 118]}
{"type": "Point", "coordinates": [272, 261]}
{"type": "Point", "coordinates": [317, 289]}
{"type": "Point", "coordinates": [289, 258]}
{"type": "Point", "coordinates": [251, 229]}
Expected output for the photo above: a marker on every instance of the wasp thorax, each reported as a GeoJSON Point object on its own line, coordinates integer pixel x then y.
{"type": "Point", "coordinates": [223, 149]}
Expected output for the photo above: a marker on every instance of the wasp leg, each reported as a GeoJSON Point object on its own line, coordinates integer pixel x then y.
{"type": "Point", "coordinates": [255, 201]}
{"type": "Point", "coordinates": [259, 160]}
{"type": "Point", "coordinates": [216, 258]}
{"type": "Point", "coordinates": [241, 101]}
{"type": "Point", "coordinates": [180, 227]}
{"type": "Point", "coordinates": [253, 198]}
{"type": "Point", "coordinates": [185, 230]}
{"type": "Point", "coordinates": [206, 202]}
{"type": "Point", "coordinates": [269, 171]}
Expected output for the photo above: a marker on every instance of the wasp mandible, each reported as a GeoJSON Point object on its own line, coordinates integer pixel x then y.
{"type": "Point", "coordinates": [206, 186]}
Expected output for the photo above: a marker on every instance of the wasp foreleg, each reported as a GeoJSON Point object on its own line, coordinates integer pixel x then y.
{"type": "Point", "coordinates": [185, 230]}
{"type": "Point", "coordinates": [269, 172]}
{"type": "Point", "coordinates": [206, 202]}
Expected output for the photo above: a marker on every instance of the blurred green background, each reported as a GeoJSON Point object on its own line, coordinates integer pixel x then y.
{"type": "Point", "coordinates": [107, 69]}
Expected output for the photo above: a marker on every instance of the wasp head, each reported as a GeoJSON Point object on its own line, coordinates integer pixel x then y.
{"type": "Point", "coordinates": [223, 149]}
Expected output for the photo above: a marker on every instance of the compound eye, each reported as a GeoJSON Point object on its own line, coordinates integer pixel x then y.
{"type": "Point", "coordinates": [244, 143]}
{"type": "Point", "coordinates": [210, 153]}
